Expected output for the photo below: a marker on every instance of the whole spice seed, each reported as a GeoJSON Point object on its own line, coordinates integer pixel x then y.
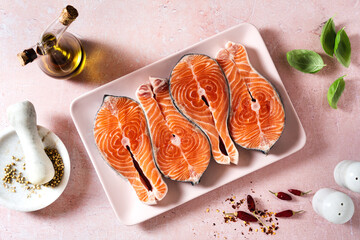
{"type": "Point", "coordinates": [298, 192]}
{"type": "Point", "coordinates": [287, 213]}
{"type": "Point", "coordinates": [282, 195]}
{"type": "Point", "coordinates": [250, 203]}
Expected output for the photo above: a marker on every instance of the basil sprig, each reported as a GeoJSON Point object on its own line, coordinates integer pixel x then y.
{"type": "Point", "coordinates": [342, 48]}
{"type": "Point", "coordinates": [327, 37]}
{"type": "Point", "coordinates": [335, 91]}
{"type": "Point", "coordinates": [305, 60]}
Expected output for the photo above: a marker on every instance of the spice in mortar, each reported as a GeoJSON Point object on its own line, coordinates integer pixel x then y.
{"type": "Point", "coordinates": [11, 173]}
{"type": "Point", "coordinates": [58, 164]}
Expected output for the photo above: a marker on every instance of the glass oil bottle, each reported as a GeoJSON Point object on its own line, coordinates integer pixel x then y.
{"type": "Point", "coordinates": [59, 54]}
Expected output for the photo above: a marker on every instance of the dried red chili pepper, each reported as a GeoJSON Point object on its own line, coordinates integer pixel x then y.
{"type": "Point", "coordinates": [287, 213]}
{"type": "Point", "coordinates": [245, 216]}
{"type": "Point", "coordinates": [298, 192]}
{"type": "Point", "coordinates": [250, 203]}
{"type": "Point", "coordinates": [282, 195]}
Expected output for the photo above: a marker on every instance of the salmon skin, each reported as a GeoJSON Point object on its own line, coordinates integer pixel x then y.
{"type": "Point", "coordinates": [257, 116]}
{"type": "Point", "coordinates": [122, 138]}
{"type": "Point", "coordinates": [182, 151]}
{"type": "Point", "coordinates": [200, 91]}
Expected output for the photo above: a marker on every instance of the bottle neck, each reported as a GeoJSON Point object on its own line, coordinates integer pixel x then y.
{"type": "Point", "coordinates": [59, 25]}
{"type": "Point", "coordinates": [50, 37]}
{"type": "Point", "coordinates": [56, 28]}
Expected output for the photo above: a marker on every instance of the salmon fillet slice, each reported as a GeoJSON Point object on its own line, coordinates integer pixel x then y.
{"type": "Point", "coordinates": [257, 116]}
{"type": "Point", "coordinates": [182, 151]}
{"type": "Point", "coordinates": [200, 91]}
{"type": "Point", "coordinates": [122, 138]}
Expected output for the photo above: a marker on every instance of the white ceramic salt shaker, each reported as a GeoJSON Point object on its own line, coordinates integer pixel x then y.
{"type": "Point", "coordinates": [347, 175]}
{"type": "Point", "coordinates": [334, 206]}
{"type": "Point", "coordinates": [22, 117]}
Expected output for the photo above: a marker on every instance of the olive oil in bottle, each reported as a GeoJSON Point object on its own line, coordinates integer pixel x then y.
{"type": "Point", "coordinates": [59, 53]}
{"type": "Point", "coordinates": [65, 59]}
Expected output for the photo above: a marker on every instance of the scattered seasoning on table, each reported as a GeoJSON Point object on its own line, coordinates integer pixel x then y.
{"type": "Point", "coordinates": [256, 220]}
{"type": "Point", "coordinates": [265, 215]}
{"type": "Point", "coordinates": [235, 205]}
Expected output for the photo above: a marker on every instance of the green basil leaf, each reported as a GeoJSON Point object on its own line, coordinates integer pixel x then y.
{"type": "Point", "coordinates": [305, 60]}
{"type": "Point", "coordinates": [342, 48]}
{"type": "Point", "coordinates": [327, 37]}
{"type": "Point", "coordinates": [335, 91]}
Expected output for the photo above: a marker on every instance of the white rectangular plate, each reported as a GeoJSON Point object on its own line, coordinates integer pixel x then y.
{"type": "Point", "coordinates": [122, 197]}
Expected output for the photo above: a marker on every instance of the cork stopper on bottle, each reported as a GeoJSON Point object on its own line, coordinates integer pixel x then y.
{"type": "Point", "coordinates": [68, 15]}
{"type": "Point", "coordinates": [27, 56]}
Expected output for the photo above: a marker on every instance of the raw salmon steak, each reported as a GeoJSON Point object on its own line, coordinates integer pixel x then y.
{"type": "Point", "coordinates": [122, 137]}
{"type": "Point", "coordinates": [200, 91]}
{"type": "Point", "coordinates": [257, 116]}
{"type": "Point", "coordinates": [182, 151]}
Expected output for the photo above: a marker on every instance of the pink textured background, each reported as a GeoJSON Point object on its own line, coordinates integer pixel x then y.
{"type": "Point", "coordinates": [122, 36]}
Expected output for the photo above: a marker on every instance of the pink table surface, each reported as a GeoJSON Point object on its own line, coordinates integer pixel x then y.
{"type": "Point", "coordinates": [122, 36]}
